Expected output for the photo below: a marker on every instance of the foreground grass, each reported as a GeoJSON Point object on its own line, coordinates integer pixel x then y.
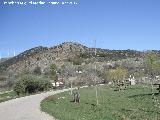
{"type": "Point", "coordinates": [7, 96]}
{"type": "Point", "coordinates": [134, 103]}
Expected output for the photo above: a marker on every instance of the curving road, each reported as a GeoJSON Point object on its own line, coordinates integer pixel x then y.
{"type": "Point", "coordinates": [26, 108]}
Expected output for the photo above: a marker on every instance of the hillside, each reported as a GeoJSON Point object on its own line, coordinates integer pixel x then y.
{"type": "Point", "coordinates": [3, 59]}
{"type": "Point", "coordinates": [43, 56]}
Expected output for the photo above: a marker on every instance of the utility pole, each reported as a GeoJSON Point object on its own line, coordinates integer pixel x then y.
{"type": "Point", "coordinates": [96, 86]}
{"type": "Point", "coordinates": [0, 56]}
{"type": "Point", "coordinates": [14, 53]}
{"type": "Point", "coordinates": [57, 51]}
{"type": "Point", "coordinates": [8, 54]}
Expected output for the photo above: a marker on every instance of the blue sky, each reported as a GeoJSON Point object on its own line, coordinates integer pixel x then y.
{"type": "Point", "coordinates": [115, 24]}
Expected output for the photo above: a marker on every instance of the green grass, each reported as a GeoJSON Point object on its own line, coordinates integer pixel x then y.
{"type": "Point", "coordinates": [7, 96]}
{"type": "Point", "coordinates": [134, 103]}
{"type": "Point", "coordinates": [12, 95]}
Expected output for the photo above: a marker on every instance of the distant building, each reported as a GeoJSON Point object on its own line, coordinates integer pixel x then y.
{"type": "Point", "coordinates": [80, 72]}
{"type": "Point", "coordinates": [131, 80]}
{"type": "Point", "coordinates": [57, 84]}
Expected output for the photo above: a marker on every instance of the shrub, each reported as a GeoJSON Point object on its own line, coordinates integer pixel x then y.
{"type": "Point", "coordinates": [37, 70]}
{"type": "Point", "coordinates": [76, 61]}
{"type": "Point", "coordinates": [31, 84]}
{"type": "Point", "coordinates": [19, 88]}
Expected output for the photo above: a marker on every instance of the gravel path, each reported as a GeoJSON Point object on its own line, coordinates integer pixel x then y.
{"type": "Point", "coordinates": [26, 108]}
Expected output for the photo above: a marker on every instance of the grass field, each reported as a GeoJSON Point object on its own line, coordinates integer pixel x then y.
{"type": "Point", "coordinates": [7, 96]}
{"type": "Point", "coordinates": [134, 103]}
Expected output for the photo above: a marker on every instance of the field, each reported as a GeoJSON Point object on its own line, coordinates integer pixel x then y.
{"type": "Point", "coordinates": [134, 103]}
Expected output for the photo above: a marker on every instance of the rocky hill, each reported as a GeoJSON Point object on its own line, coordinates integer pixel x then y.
{"type": "Point", "coordinates": [43, 56]}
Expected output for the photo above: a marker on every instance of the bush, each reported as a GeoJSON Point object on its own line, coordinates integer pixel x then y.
{"type": "Point", "coordinates": [19, 88]}
{"type": "Point", "coordinates": [37, 70]}
{"type": "Point", "coordinates": [76, 61]}
{"type": "Point", "coordinates": [31, 84]}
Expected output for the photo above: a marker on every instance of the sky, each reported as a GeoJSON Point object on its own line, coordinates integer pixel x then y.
{"type": "Point", "coordinates": [114, 24]}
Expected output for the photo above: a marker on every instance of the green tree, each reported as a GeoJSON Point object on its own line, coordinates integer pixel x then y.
{"type": "Point", "coordinates": [109, 75]}
{"type": "Point", "coordinates": [152, 64]}
{"type": "Point", "coordinates": [116, 76]}
{"type": "Point", "coordinates": [53, 71]}
{"type": "Point", "coordinates": [120, 74]}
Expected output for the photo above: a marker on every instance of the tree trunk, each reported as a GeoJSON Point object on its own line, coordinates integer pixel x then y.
{"type": "Point", "coordinates": [71, 88]}
{"type": "Point", "coordinates": [97, 95]}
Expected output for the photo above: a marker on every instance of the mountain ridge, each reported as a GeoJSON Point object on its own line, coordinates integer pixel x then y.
{"type": "Point", "coordinates": [44, 56]}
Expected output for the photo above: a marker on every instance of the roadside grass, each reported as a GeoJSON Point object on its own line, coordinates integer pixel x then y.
{"type": "Point", "coordinates": [7, 96]}
{"type": "Point", "coordinates": [134, 103]}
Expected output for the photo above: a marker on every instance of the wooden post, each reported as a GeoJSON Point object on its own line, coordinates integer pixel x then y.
{"type": "Point", "coordinates": [71, 88]}
{"type": "Point", "coordinates": [95, 77]}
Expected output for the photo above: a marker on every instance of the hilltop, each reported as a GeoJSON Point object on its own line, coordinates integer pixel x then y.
{"type": "Point", "coordinates": [69, 58]}
{"type": "Point", "coordinates": [43, 56]}
{"type": "Point", "coordinates": [68, 52]}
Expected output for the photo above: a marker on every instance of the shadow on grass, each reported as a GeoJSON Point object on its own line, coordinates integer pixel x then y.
{"type": "Point", "coordinates": [72, 100]}
{"type": "Point", "coordinates": [126, 110]}
{"type": "Point", "coordinates": [141, 109]}
{"type": "Point", "coordinates": [120, 90]}
{"type": "Point", "coordinates": [91, 104]}
{"type": "Point", "coordinates": [132, 88]}
{"type": "Point", "coordinates": [149, 111]}
{"type": "Point", "coordinates": [143, 95]}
